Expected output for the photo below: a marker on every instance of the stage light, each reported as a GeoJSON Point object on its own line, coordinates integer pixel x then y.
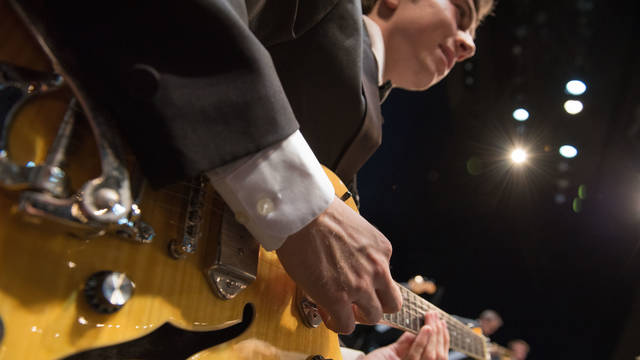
{"type": "Point", "coordinates": [582, 192]}
{"type": "Point", "coordinates": [559, 198]}
{"type": "Point", "coordinates": [576, 205]}
{"type": "Point", "coordinates": [568, 151]}
{"type": "Point", "coordinates": [474, 166]}
{"type": "Point", "coordinates": [573, 106]}
{"type": "Point", "coordinates": [576, 87]}
{"type": "Point", "coordinates": [563, 166]}
{"type": "Point", "coordinates": [563, 183]}
{"type": "Point", "coordinates": [518, 156]}
{"type": "Point", "coordinates": [521, 114]}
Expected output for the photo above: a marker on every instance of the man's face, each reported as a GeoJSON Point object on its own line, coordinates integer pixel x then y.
{"type": "Point", "coordinates": [519, 351]}
{"type": "Point", "coordinates": [489, 326]}
{"type": "Point", "coordinates": [425, 38]}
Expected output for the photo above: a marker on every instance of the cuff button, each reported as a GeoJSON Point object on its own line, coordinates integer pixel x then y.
{"type": "Point", "coordinates": [265, 206]}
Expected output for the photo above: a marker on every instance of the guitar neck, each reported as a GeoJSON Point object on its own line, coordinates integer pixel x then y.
{"type": "Point", "coordinates": [411, 318]}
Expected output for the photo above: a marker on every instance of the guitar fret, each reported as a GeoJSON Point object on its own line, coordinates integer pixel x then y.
{"type": "Point", "coordinates": [453, 335]}
{"type": "Point", "coordinates": [472, 346]}
{"type": "Point", "coordinates": [416, 323]}
{"type": "Point", "coordinates": [478, 346]}
{"type": "Point", "coordinates": [411, 318]}
{"type": "Point", "coordinates": [406, 318]}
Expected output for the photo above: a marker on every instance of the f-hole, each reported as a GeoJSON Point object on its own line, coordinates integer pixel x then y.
{"type": "Point", "coordinates": [169, 342]}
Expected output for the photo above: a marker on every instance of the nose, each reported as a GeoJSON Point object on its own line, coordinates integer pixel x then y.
{"type": "Point", "coordinates": [465, 46]}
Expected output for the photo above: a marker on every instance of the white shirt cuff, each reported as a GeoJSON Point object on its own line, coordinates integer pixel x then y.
{"type": "Point", "coordinates": [275, 192]}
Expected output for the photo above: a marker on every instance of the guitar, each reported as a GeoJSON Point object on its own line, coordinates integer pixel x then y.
{"type": "Point", "coordinates": [74, 288]}
{"type": "Point", "coordinates": [498, 350]}
{"type": "Point", "coordinates": [419, 285]}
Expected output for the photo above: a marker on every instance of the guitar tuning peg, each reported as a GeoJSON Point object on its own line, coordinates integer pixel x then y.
{"type": "Point", "coordinates": [420, 285]}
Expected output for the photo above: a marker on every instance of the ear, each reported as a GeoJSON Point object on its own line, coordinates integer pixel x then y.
{"type": "Point", "coordinates": [391, 4]}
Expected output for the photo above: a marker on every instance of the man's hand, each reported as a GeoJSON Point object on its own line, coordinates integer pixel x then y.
{"type": "Point", "coordinates": [342, 262]}
{"type": "Point", "coordinates": [431, 343]}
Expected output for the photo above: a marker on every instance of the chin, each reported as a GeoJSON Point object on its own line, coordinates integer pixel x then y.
{"type": "Point", "coordinates": [418, 83]}
{"type": "Point", "coordinates": [420, 79]}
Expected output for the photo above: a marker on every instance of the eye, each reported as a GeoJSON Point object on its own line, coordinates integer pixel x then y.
{"type": "Point", "coordinates": [463, 15]}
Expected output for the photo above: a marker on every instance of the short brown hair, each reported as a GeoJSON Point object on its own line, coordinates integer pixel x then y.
{"type": "Point", "coordinates": [519, 341]}
{"type": "Point", "coordinates": [483, 7]}
{"type": "Point", "coordinates": [367, 6]}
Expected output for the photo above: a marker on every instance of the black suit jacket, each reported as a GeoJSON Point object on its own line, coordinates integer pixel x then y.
{"type": "Point", "coordinates": [195, 84]}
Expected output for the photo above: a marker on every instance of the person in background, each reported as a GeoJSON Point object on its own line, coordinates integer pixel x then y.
{"type": "Point", "coordinates": [519, 349]}
{"type": "Point", "coordinates": [489, 321]}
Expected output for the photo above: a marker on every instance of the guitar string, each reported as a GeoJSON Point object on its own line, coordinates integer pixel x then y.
{"type": "Point", "coordinates": [409, 310]}
{"type": "Point", "coordinates": [474, 340]}
{"type": "Point", "coordinates": [414, 310]}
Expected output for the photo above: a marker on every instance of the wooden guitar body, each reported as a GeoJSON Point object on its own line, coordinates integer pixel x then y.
{"type": "Point", "coordinates": [43, 270]}
{"type": "Point", "coordinates": [45, 315]}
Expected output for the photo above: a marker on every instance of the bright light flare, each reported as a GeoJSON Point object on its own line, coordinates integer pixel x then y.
{"type": "Point", "coordinates": [573, 106]}
{"type": "Point", "coordinates": [521, 114]}
{"type": "Point", "coordinates": [518, 156]}
{"type": "Point", "coordinates": [568, 151]}
{"type": "Point", "coordinates": [576, 87]}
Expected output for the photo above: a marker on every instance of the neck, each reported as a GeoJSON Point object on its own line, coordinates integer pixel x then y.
{"type": "Point", "coordinates": [411, 318]}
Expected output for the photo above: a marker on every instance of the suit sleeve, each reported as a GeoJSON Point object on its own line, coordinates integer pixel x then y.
{"type": "Point", "coordinates": [187, 82]}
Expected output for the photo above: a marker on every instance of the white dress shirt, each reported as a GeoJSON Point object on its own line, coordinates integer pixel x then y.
{"type": "Point", "coordinates": [277, 191]}
{"type": "Point", "coordinates": [377, 45]}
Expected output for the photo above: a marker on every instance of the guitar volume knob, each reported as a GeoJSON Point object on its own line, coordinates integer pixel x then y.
{"type": "Point", "coordinates": [108, 291]}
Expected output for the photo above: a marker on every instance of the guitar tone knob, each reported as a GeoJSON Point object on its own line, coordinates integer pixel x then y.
{"type": "Point", "coordinates": [107, 291]}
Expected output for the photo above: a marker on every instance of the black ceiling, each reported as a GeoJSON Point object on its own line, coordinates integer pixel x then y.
{"type": "Point", "coordinates": [562, 273]}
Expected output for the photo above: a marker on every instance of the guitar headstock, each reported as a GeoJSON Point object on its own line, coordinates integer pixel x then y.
{"type": "Point", "coordinates": [421, 285]}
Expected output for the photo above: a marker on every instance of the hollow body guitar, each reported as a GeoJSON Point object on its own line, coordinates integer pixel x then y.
{"type": "Point", "coordinates": [173, 312]}
{"type": "Point", "coordinates": [46, 316]}
{"type": "Point", "coordinates": [47, 271]}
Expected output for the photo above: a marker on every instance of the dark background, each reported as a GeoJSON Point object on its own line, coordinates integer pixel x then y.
{"type": "Point", "coordinates": [563, 273]}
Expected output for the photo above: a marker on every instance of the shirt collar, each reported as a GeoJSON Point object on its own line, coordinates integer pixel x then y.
{"type": "Point", "coordinates": [377, 45]}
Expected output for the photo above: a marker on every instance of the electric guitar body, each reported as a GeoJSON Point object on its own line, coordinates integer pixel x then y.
{"type": "Point", "coordinates": [46, 309]}
{"type": "Point", "coordinates": [46, 315]}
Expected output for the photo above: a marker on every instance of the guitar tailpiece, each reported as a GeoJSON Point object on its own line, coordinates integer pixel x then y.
{"type": "Point", "coordinates": [104, 204]}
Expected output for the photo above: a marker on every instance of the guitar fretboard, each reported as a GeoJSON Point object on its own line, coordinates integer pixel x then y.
{"type": "Point", "coordinates": [411, 318]}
